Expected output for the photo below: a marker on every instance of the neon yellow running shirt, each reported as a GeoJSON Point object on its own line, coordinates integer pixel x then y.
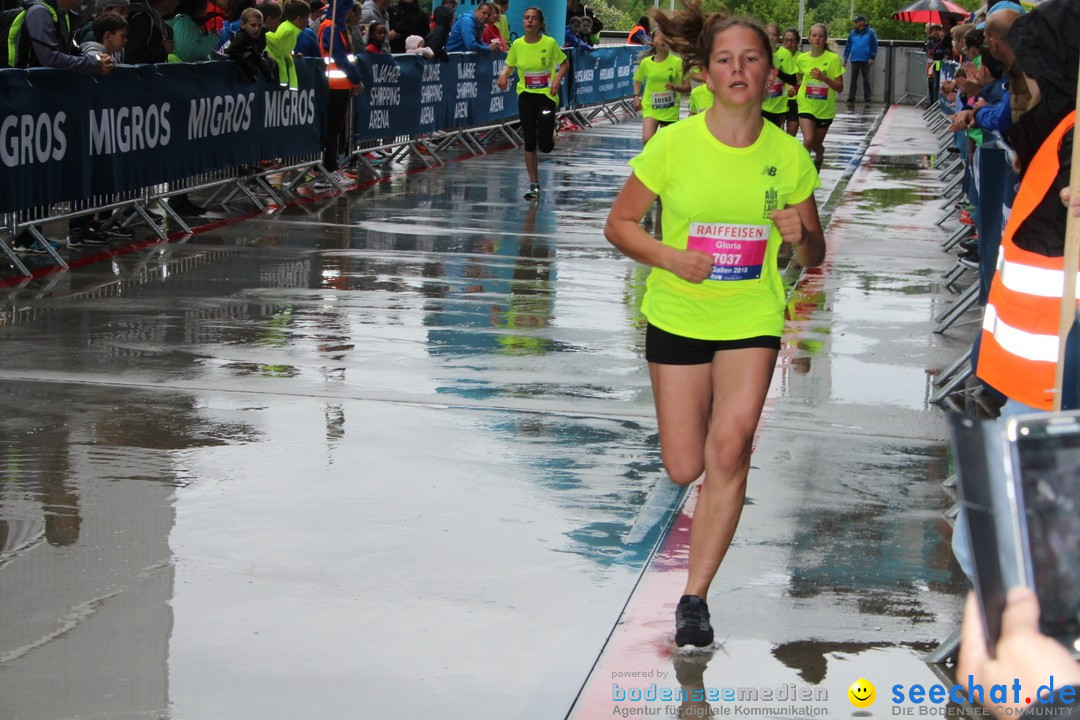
{"type": "Point", "coordinates": [701, 99]}
{"type": "Point", "coordinates": [535, 63]}
{"type": "Point", "coordinates": [776, 97]}
{"type": "Point", "coordinates": [656, 100]}
{"type": "Point", "coordinates": [719, 199]}
{"type": "Point", "coordinates": [815, 97]}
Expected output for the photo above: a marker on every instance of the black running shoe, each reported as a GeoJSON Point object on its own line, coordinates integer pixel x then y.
{"type": "Point", "coordinates": [692, 625]}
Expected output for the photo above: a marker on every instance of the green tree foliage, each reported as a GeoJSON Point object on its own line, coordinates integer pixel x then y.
{"type": "Point", "coordinates": [836, 14]}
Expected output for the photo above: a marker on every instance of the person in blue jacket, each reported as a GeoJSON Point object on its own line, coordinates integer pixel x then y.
{"type": "Point", "coordinates": [860, 51]}
{"type": "Point", "coordinates": [465, 35]}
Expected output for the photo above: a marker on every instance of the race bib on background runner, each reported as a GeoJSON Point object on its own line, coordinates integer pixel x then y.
{"type": "Point", "coordinates": [738, 250]}
{"type": "Point", "coordinates": [662, 100]}
{"type": "Point", "coordinates": [537, 80]}
{"type": "Point", "coordinates": [815, 91]}
{"type": "Point", "coordinates": [775, 90]}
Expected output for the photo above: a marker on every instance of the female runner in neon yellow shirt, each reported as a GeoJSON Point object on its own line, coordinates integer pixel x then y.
{"type": "Point", "coordinates": [658, 86]}
{"type": "Point", "coordinates": [821, 72]}
{"type": "Point", "coordinates": [541, 66]}
{"type": "Point", "coordinates": [733, 187]}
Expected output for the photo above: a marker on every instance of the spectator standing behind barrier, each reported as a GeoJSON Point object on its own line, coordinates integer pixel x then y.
{"type": "Point", "coordinates": [715, 320]}
{"type": "Point", "coordinates": [821, 78]}
{"type": "Point", "coordinates": [149, 38]}
{"type": "Point", "coordinates": [659, 82]}
{"type": "Point", "coordinates": [112, 29]}
{"type": "Point", "coordinates": [376, 39]}
{"type": "Point", "coordinates": [574, 8]}
{"type": "Point", "coordinates": [281, 42]}
{"type": "Point", "coordinates": [117, 7]}
{"type": "Point", "coordinates": [46, 40]}
{"type": "Point", "coordinates": [233, 10]}
{"type": "Point", "coordinates": [860, 51]}
{"type": "Point", "coordinates": [465, 35]}
{"type": "Point", "coordinates": [375, 11]}
{"type": "Point", "coordinates": [504, 25]}
{"type": "Point", "coordinates": [247, 47]}
{"type": "Point", "coordinates": [406, 18]}
{"type": "Point", "coordinates": [442, 20]}
{"type": "Point", "coordinates": [192, 44]}
{"type": "Point", "coordinates": [1023, 301]}
{"type": "Point", "coordinates": [640, 33]}
{"type": "Point", "coordinates": [491, 35]}
{"type": "Point", "coordinates": [271, 13]}
{"type": "Point", "coordinates": [414, 45]}
{"type": "Point", "coordinates": [541, 66]}
{"type": "Point", "coordinates": [935, 53]}
{"type": "Point", "coordinates": [572, 34]}
{"type": "Point", "coordinates": [344, 79]}
{"type": "Point", "coordinates": [587, 35]}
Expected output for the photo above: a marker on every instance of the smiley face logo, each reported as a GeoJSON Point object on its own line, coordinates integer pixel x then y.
{"type": "Point", "coordinates": [862, 693]}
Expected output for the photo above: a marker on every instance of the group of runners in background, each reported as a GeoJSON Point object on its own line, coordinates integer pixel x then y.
{"type": "Point", "coordinates": [802, 95]}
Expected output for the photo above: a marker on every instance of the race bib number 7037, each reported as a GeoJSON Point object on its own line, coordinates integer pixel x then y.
{"type": "Point", "coordinates": [738, 250]}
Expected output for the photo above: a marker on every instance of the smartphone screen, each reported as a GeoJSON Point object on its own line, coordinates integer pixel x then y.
{"type": "Point", "coordinates": [1046, 461]}
{"type": "Point", "coordinates": [977, 477]}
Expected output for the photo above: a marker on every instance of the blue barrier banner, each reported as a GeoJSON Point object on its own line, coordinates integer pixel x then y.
{"type": "Point", "coordinates": [408, 95]}
{"type": "Point", "coordinates": [390, 102]}
{"type": "Point", "coordinates": [67, 138]}
{"type": "Point", "coordinates": [603, 74]}
{"type": "Point", "coordinates": [405, 95]}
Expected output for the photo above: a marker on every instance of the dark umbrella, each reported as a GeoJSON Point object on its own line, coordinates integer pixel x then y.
{"type": "Point", "coordinates": [930, 11]}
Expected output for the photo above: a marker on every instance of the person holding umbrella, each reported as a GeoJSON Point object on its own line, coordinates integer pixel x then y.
{"type": "Point", "coordinates": [860, 51]}
{"type": "Point", "coordinates": [940, 15]}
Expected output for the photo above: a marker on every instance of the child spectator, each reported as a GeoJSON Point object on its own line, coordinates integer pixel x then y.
{"type": "Point", "coordinates": [86, 31]}
{"type": "Point", "coordinates": [572, 34]}
{"type": "Point", "coordinates": [376, 35]}
{"type": "Point", "coordinates": [233, 10]}
{"type": "Point", "coordinates": [248, 45]}
{"type": "Point", "coordinates": [307, 42]}
{"type": "Point", "coordinates": [281, 42]}
{"type": "Point", "coordinates": [271, 13]}
{"type": "Point", "coordinates": [587, 30]}
{"type": "Point", "coordinates": [414, 45]}
{"type": "Point", "coordinates": [112, 31]}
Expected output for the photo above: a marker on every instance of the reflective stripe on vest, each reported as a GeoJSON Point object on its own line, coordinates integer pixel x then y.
{"type": "Point", "coordinates": [336, 77]}
{"type": "Point", "coordinates": [1019, 345]}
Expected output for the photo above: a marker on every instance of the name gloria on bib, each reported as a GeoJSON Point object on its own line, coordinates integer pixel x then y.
{"type": "Point", "coordinates": [738, 250]}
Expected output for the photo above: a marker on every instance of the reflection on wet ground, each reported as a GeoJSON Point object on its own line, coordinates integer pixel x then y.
{"type": "Point", "coordinates": [393, 453]}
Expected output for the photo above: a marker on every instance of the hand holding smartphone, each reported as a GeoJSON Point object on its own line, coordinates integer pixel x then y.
{"type": "Point", "coordinates": [1044, 452]}
{"type": "Point", "coordinates": [1019, 493]}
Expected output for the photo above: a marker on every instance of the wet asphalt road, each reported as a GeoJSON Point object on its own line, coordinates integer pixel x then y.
{"type": "Point", "coordinates": [392, 454]}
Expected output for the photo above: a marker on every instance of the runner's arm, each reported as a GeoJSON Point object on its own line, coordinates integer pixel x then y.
{"type": "Point", "coordinates": [624, 231]}
{"type": "Point", "coordinates": [800, 225]}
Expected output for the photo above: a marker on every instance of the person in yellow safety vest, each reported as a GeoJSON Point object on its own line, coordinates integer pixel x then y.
{"type": "Point", "coordinates": [343, 76]}
{"type": "Point", "coordinates": [640, 34]}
